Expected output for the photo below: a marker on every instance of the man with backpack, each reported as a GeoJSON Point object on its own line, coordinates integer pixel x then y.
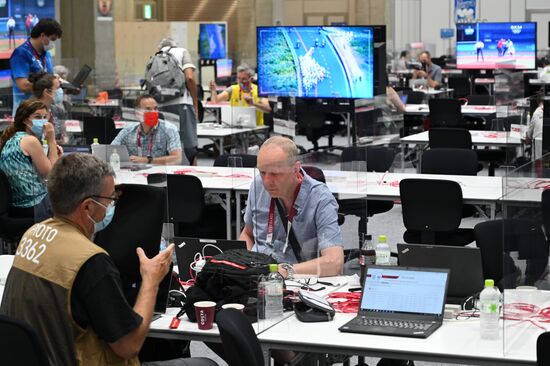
{"type": "Point", "coordinates": [170, 79]}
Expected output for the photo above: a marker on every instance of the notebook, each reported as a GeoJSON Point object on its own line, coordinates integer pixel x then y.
{"type": "Point", "coordinates": [239, 117]}
{"type": "Point", "coordinates": [466, 278]}
{"type": "Point", "coordinates": [79, 79]}
{"type": "Point", "coordinates": [400, 301]}
{"type": "Point", "coordinates": [187, 248]}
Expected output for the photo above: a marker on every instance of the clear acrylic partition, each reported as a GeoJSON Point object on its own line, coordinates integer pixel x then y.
{"type": "Point", "coordinates": [519, 257]}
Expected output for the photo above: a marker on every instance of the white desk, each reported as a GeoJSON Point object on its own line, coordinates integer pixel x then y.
{"type": "Point", "coordinates": [219, 180]}
{"type": "Point", "coordinates": [470, 110]}
{"type": "Point", "coordinates": [218, 133]}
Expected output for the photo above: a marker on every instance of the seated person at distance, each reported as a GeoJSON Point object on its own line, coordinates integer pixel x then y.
{"type": "Point", "coordinates": [23, 160]}
{"type": "Point", "coordinates": [152, 140]}
{"type": "Point", "coordinates": [308, 205]}
{"type": "Point", "coordinates": [430, 71]}
{"type": "Point", "coordinates": [243, 94]}
{"type": "Point", "coordinates": [68, 289]}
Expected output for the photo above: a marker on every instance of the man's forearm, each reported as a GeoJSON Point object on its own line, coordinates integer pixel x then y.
{"type": "Point", "coordinates": [323, 266]}
{"type": "Point", "coordinates": [167, 160]}
{"type": "Point", "coordinates": [192, 87]}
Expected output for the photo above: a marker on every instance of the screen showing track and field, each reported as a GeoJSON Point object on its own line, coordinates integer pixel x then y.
{"type": "Point", "coordinates": [496, 45]}
{"type": "Point", "coordinates": [316, 62]}
{"type": "Point", "coordinates": [212, 41]}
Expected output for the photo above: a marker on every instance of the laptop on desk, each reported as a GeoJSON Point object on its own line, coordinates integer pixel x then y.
{"type": "Point", "coordinates": [464, 263]}
{"type": "Point", "coordinates": [400, 301]}
{"type": "Point", "coordinates": [187, 250]}
{"type": "Point", "coordinates": [78, 81]}
{"type": "Point", "coordinates": [104, 152]}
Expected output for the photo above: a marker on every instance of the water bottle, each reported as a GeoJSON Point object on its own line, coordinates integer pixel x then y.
{"type": "Point", "coordinates": [45, 147]}
{"type": "Point", "coordinates": [95, 142]}
{"type": "Point", "coordinates": [489, 310]}
{"type": "Point", "coordinates": [270, 294]}
{"type": "Point", "coordinates": [114, 160]}
{"type": "Point", "coordinates": [383, 252]}
{"type": "Point", "coordinates": [367, 256]}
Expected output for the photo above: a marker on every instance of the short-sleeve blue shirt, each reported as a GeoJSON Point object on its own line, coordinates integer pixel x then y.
{"type": "Point", "coordinates": [165, 139]}
{"type": "Point", "coordinates": [23, 62]}
{"type": "Point", "coordinates": [315, 223]}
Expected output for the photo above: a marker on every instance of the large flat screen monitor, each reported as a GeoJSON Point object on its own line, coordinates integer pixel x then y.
{"type": "Point", "coordinates": [316, 62]}
{"type": "Point", "coordinates": [496, 45]}
{"type": "Point", "coordinates": [212, 41]}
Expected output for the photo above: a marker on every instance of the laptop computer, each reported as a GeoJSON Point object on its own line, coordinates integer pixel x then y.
{"type": "Point", "coordinates": [466, 277]}
{"type": "Point", "coordinates": [400, 301]}
{"type": "Point", "coordinates": [239, 117]}
{"type": "Point", "coordinates": [187, 248]}
{"type": "Point", "coordinates": [71, 149]}
{"type": "Point", "coordinates": [79, 79]}
{"type": "Point", "coordinates": [104, 152]}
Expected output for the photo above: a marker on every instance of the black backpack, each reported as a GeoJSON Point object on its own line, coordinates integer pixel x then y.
{"type": "Point", "coordinates": [164, 79]}
{"type": "Point", "coordinates": [229, 277]}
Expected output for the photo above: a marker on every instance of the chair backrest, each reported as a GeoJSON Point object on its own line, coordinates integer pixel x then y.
{"type": "Point", "coordinates": [186, 196]}
{"type": "Point", "coordinates": [414, 97]}
{"type": "Point", "coordinates": [455, 138]}
{"type": "Point", "coordinates": [315, 173]}
{"type": "Point", "coordinates": [543, 349]}
{"type": "Point", "coordinates": [545, 204]}
{"type": "Point", "coordinates": [5, 193]}
{"type": "Point", "coordinates": [496, 238]}
{"type": "Point", "coordinates": [102, 128]}
{"type": "Point", "coordinates": [378, 158]}
{"type": "Point", "coordinates": [449, 162]}
{"type": "Point", "coordinates": [461, 86]}
{"type": "Point", "coordinates": [431, 205]}
{"type": "Point", "coordinates": [20, 344]}
{"type": "Point", "coordinates": [248, 161]}
{"type": "Point", "coordinates": [445, 112]}
{"type": "Point", "coordinates": [480, 99]}
{"type": "Point", "coordinates": [240, 343]}
{"type": "Point", "coordinates": [137, 222]}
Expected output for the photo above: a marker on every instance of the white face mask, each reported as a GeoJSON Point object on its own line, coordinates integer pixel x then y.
{"type": "Point", "coordinates": [50, 46]}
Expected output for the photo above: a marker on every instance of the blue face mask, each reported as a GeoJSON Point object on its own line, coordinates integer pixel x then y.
{"type": "Point", "coordinates": [109, 213]}
{"type": "Point", "coordinates": [58, 98]}
{"type": "Point", "coordinates": [37, 127]}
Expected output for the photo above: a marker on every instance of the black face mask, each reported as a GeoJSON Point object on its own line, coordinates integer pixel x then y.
{"type": "Point", "coordinates": [424, 66]}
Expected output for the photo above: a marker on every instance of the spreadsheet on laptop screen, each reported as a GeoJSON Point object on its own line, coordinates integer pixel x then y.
{"type": "Point", "coordinates": [404, 291]}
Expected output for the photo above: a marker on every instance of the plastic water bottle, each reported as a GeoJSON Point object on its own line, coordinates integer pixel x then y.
{"type": "Point", "coordinates": [383, 252]}
{"type": "Point", "coordinates": [270, 294]}
{"type": "Point", "coordinates": [95, 142]}
{"type": "Point", "coordinates": [114, 160]}
{"type": "Point", "coordinates": [45, 147]}
{"type": "Point", "coordinates": [489, 314]}
{"type": "Point", "coordinates": [367, 257]}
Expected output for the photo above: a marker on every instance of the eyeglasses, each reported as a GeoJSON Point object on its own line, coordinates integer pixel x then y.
{"type": "Point", "coordinates": [114, 199]}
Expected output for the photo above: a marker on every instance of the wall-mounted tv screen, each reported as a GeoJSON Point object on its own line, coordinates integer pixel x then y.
{"type": "Point", "coordinates": [212, 41]}
{"type": "Point", "coordinates": [224, 67]}
{"type": "Point", "coordinates": [316, 62]}
{"type": "Point", "coordinates": [496, 45]}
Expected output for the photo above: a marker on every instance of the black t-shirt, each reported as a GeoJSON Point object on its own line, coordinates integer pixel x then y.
{"type": "Point", "coordinates": [97, 300]}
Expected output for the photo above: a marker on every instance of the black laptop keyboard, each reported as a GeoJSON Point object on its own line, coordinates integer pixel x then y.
{"type": "Point", "coordinates": [393, 323]}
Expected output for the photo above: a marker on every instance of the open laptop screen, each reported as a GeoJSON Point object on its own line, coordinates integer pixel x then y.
{"type": "Point", "coordinates": [404, 291]}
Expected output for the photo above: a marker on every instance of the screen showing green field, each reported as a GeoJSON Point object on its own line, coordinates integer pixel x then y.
{"type": "Point", "coordinates": [316, 62]}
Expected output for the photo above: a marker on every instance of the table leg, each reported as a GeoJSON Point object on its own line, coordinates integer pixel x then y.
{"type": "Point", "coordinates": [402, 157]}
{"type": "Point", "coordinates": [493, 207]}
{"type": "Point", "coordinates": [220, 146]}
{"type": "Point", "coordinates": [267, 354]}
{"type": "Point", "coordinates": [238, 213]}
{"type": "Point", "coordinates": [228, 214]}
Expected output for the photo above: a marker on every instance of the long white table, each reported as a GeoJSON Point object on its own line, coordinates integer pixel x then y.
{"type": "Point", "coordinates": [217, 133]}
{"type": "Point", "coordinates": [470, 110]}
{"type": "Point", "coordinates": [218, 180]}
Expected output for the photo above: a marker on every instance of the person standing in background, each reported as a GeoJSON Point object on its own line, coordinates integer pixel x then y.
{"type": "Point", "coordinates": [28, 22]}
{"type": "Point", "coordinates": [10, 28]}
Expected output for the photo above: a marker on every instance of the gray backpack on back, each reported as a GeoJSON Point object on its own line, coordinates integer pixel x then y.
{"type": "Point", "coordinates": [164, 79]}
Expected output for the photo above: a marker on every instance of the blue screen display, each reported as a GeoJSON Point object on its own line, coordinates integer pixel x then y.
{"type": "Point", "coordinates": [212, 41]}
{"type": "Point", "coordinates": [496, 45]}
{"type": "Point", "coordinates": [316, 62]}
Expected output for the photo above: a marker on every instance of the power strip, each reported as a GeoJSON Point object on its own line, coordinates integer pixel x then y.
{"type": "Point", "coordinates": [451, 311]}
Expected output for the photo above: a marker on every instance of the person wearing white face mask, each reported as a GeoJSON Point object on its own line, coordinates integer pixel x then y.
{"type": "Point", "coordinates": [23, 160]}
{"type": "Point", "coordinates": [32, 57]}
{"type": "Point", "coordinates": [46, 88]}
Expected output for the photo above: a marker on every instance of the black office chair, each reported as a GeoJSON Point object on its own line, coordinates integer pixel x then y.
{"type": "Point", "coordinates": [20, 344]}
{"type": "Point", "coordinates": [11, 227]}
{"type": "Point", "coordinates": [414, 97]}
{"type": "Point", "coordinates": [449, 162]}
{"type": "Point", "coordinates": [545, 206]}
{"type": "Point", "coordinates": [318, 175]}
{"type": "Point", "coordinates": [240, 342]}
{"type": "Point", "coordinates": [377, 159]}
{"type": "Point", "coordinates": [497, 238]}
{"type": "Point", "coordinates": [445, 112]}
{"type": "Point", "coordinates": [461, 86]}
{"type": "Point", "coordinates": [543, 349]}
{"type": "Point", "coordinates": [315, 123]}
{"type": "Point", "coordinates": [413, 122]}
{"type": "Point", "coordinates": [102, 128]}
{"type": "Point", "coordinates": [432, 211]}
{"type": "Point", "coordinates": [248, 161]}
{"type": "Point", "coordinates": [482, 99]}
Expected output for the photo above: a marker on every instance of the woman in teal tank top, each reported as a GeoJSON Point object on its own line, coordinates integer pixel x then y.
{"type": "Point", "coordinates": [23, 159]}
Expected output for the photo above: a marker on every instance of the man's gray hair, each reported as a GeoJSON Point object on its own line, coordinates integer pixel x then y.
{"type": "Point", "coordinates": [74, 178]}
{"type": "Point", "coordinates": [245, 68]}
{"type": "Point", "coordinates": [167, 42]}
{"type": "Point", "coordinates": [286, 144]}
{"type": "Point", "coordinates": [61, 70]}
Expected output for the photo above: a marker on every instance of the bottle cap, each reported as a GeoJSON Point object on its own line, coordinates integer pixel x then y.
{"type": "Point", "coordinates": [44, 142]}
{"type": "Point", "coordinates": [489, 283]}
{"type": "Point", "coordinates": [273, 268]}
{"type": "Point", "coordinates": [382, 239]}
{"type": "Point", "coordinates": [95, 140]}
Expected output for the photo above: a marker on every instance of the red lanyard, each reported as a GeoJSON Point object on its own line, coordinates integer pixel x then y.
{"type": "Point", "coordinates": [290, 215]}
{"type": "Point", "coordinates": [150, 148]}
{"type": "Point", "coordinates": [41, 61]}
